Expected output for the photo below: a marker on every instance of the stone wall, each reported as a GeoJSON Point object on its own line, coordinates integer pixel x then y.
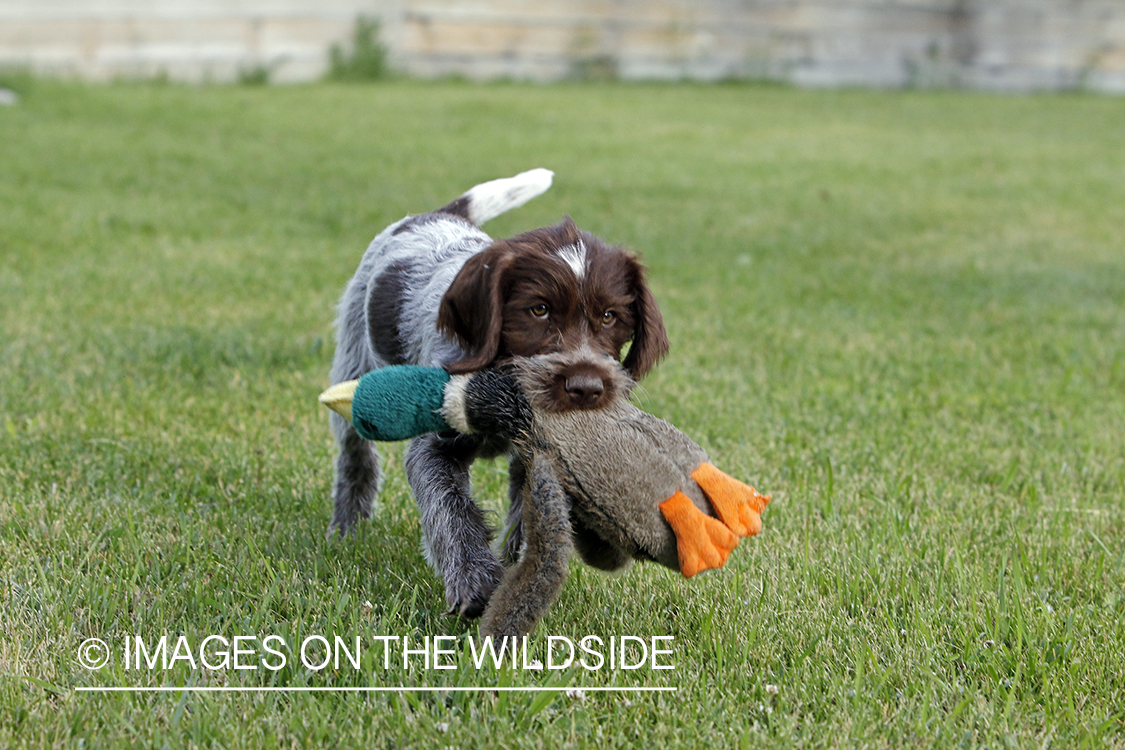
{"type": "Point", "coordinates": [993, 44]}
{"type": "Point", "coordinates": [1004, 44]}
{"type": "Point", "coordinates": [191, 40]}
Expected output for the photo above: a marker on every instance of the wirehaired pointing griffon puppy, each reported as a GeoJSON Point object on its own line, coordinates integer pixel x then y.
{"type": "Point", "coordinates": [435, 290]}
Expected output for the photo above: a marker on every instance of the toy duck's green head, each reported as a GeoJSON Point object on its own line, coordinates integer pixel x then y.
{"type": "Point", "coordinates": [392, 403]}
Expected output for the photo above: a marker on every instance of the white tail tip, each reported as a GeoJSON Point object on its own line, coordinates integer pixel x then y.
{"type": "Point", "coordinates": [490, 199]}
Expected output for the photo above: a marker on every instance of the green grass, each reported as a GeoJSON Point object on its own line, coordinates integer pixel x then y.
{"type": "Point", "coordinates": [902, 314]}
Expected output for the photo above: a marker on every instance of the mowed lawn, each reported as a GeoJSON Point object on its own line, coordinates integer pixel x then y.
{"type": "Point", "coordinates": [900, 313]}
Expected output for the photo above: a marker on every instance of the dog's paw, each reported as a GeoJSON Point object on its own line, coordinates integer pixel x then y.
{"type": "Point", "coordinates": [468, 590]}
{"type": "Point", "coordinates": [340, 529]}
{"type": "Point", "coordinates": [346, 520]}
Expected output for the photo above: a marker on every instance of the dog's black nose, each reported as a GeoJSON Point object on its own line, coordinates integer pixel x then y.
{"type": "Point", "coordinates": [584, 389]}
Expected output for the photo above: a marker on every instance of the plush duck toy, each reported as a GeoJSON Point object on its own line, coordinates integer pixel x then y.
{"type": "Point", "coordinates": [615, 483]}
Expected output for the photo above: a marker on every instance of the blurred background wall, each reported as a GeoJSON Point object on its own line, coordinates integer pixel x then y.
{"type": "Point", "coordinates": [992, 44]}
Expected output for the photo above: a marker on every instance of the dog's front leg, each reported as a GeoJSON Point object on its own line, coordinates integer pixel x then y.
{"type": "Point", "coordinates": [455, 536]}
{"type": "Point", "coordinates": [357, 478]}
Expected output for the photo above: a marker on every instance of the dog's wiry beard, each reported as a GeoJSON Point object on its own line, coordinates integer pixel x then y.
{"type": "Point", "coordinates": [543, 377]}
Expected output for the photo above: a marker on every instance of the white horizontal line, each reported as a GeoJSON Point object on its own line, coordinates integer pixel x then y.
{"type": "Point", "coordinates": [391, 689]}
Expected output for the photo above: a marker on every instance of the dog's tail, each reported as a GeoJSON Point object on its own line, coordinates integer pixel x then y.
{"type": "Point", "coordinates": [490, 199]}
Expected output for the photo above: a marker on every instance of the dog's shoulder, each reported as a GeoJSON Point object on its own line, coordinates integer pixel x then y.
{"type": "Point", "coordinates": [427, 240]}
{"type": "Point", "coordinates": [404, 275]}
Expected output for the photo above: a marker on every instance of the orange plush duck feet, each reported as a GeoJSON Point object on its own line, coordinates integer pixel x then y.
{"type": "Point", "coordinates": [703, 542]}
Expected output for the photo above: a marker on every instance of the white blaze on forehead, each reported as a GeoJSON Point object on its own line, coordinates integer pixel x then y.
{"type": "Point", "coordinates": [575, 257]}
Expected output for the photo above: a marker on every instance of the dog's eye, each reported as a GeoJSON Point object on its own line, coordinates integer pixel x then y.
{"type": "Point", "coordinates": [609, 317]}
{"type": "Point", "coordinates": [540, 310]}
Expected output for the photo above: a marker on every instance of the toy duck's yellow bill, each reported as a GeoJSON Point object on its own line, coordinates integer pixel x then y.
{"type": "Point", "coordinates": [339, 397]}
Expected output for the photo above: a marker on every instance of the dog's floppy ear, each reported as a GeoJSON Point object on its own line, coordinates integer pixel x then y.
{"type": "Point", "coordinates": [650, 340]}
{"type": "Point", "coordinates": [471, 310]}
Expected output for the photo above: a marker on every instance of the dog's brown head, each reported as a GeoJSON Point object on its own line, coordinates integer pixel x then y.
{"type": "Point", "coordinates": [562, 296]}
